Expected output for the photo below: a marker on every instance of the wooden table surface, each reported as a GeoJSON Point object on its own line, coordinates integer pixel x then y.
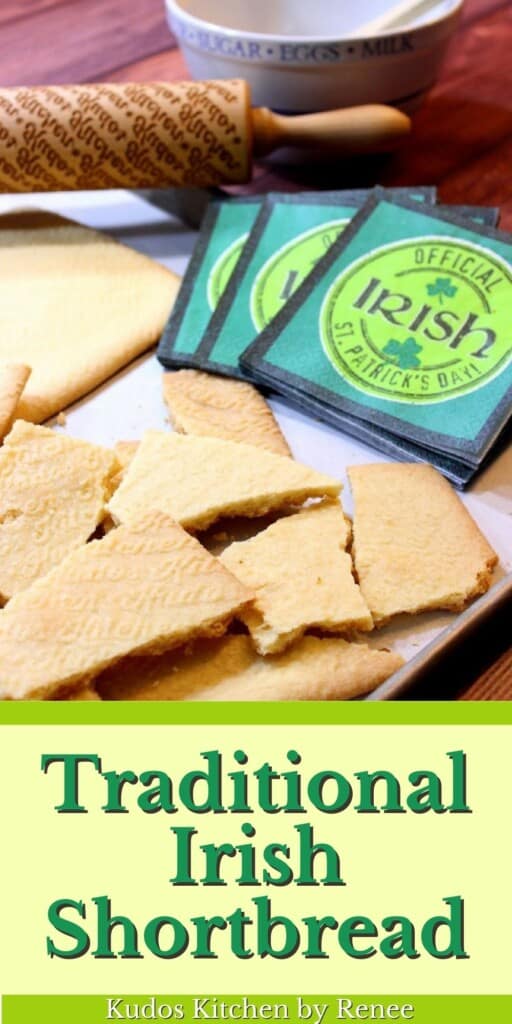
{"type": "Point", "coordinates": [462, 142]}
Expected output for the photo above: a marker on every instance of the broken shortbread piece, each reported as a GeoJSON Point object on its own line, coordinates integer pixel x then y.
{"type": "Point", "coordinates": [75, 305]}
{"type": "Point", "coordinates": [232, 410]}
{"type": "Point", "coordinates": [314, 668]}
{"type": "Point", "coordinates": [124, 450]}
{"type": "Point", "coordinates": [197, 480]}
{"type": "Point", "coordinates": [13, 377]}
{"type": "Point", "coordinates": [416, 547]}
{"type": "Point", "coordinates": [53, 493]}
{"type": "Point", "coordinates": [302, 578]}
{"type": "Point", "coordinates": [144, 587]}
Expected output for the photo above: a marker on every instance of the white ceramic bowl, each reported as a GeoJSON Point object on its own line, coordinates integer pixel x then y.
{"type": "Point", "coordinates": [304, 55]}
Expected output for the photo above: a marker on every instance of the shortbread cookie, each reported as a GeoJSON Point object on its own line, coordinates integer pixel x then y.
{"type": "Point", "coordinates": [13, 377]}
{"type": "Point", "coordinates": [144, 587]}
{"type": "Point", "coordinates": [314, 668]}
{"type": "Point", "coordinates": [53, 493]}
{"type": "Point", "coordinates": [75, 306]}
{"type": "Point", "coordinates": [197, 480]}
{"type": "Point", "coordinates": [415, 545]}
{"type": "Point", "coordinates": [200, 403]}
{"type": "Point", "coordinates": [302, 578]}
{"type": "Point", "coordinates": [125, 450]}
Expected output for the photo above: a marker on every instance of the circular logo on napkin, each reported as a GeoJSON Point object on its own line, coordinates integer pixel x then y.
{"type": "Point", "coordinates": [420, 321]}
{"type": "Point", "coordinates": [282, 274]}
{"type": "Point", "coordinates": [222, 270]}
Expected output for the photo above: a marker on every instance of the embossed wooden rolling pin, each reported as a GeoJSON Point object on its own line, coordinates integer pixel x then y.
{"type": "Point", "coordinates": [164, 134]}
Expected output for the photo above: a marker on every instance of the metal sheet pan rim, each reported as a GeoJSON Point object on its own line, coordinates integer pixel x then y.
{"type": "Point", "coordinates": [401, 683]}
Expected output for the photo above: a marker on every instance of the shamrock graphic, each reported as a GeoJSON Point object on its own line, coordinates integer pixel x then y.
{"type": "Point", "coordinates": [442, 286]}
{"type": "Point", "coordinates": [404, 353]}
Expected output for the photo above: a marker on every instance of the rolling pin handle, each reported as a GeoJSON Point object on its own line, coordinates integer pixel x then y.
{"type": "Point", "coordinates": [365, 129]}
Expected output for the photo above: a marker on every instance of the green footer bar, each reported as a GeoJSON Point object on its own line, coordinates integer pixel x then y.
{"type": "Point", "coordinates": [313, 1008]}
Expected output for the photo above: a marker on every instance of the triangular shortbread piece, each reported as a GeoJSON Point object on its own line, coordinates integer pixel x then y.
{"type": "Point", "coordinates": [314, 668]}
{"type": "Point", "coordinates": [144, 587]}
{"type": "Point", "coordinates": [13, 377]}
{"type": "Point", "coordinates": [199, 479]}
{"type": "Point", "coordinates": [416, 547]}
{"type": "Point", "coordinates": [53, 493]}
{"type": "Point", "coordinates": [302, 578]}
{"type": "Point", "coordinates": [200, 403]}
{"type": "Point", "coordinates": [75, 306]}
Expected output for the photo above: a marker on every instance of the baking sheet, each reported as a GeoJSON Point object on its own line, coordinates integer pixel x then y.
{"type": "Point", "coordinates": [132, 402]}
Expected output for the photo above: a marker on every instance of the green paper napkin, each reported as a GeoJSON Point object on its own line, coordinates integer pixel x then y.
{"type": "Point", "coordinates": [289, 235]}
{"type": "Point", "coordinates": [403, 325]}
{"type": "Point", "coordinates": [224, 230]}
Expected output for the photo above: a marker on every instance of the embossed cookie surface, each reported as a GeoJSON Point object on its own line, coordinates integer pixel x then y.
{"type": "Point", "coordinates": [314, 668]}
{"type": "Point", "coordinates": [200, 403]}
{"type": "Point", "coordinates": [53, 492]}
{"type": "Point", "coordinates": [199, 479]}
{"type": "Point", "coordinates": [75, 306]}
{"type": "Point", "coordinates": [302, 578]}
{"type": "Point", "coordinates": [415, 545]}
{"type": "Point", "coordinates": [13, 377]}
{"type": "Point", "coordinates": [148, 586]}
